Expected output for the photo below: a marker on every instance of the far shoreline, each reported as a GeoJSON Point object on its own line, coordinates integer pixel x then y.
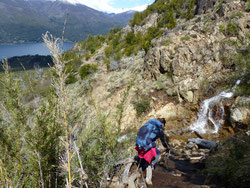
{"type": "Point", "coordinates": [30, 42]}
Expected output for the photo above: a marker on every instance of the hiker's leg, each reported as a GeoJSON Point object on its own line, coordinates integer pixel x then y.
{"type": "Point", "coordinates": [149, 175]}
{"type": "Point", "coordinates": [156, 158]}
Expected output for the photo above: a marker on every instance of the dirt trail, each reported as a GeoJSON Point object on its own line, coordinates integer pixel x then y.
{"type": "Point", "coordinates": [179, 174]}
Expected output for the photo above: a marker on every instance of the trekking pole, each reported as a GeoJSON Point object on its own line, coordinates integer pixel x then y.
{"type": "Point", "coordinates": [168, 158]}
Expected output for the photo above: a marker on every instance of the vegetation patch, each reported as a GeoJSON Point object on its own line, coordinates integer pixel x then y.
{"type": "Point", "coordinates": [141, 106]}
{"type": "Point", "coordinates": [86, 70]}
{"type": "Point", "coordinates": [181, 9]}
{"type": "Point", "coordinates": [185, 38]}
{"type": "Point", "coordinates": [230, 166]}
{"type": "Point", "coordinates": [232, 29]}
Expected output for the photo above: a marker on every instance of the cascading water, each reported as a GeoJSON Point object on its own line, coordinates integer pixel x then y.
{"type": "Point", "coordinates": [206, 113]}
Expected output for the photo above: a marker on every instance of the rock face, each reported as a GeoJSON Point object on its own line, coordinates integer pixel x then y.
{"type": "Point", "coordinates": [202, 6]}
{"type": "Point", "coordinates": [150, 21]}
{"type": "Point", "coordinates": [192, 54]}
{"type": "Point", "coordinates": [240, 113]}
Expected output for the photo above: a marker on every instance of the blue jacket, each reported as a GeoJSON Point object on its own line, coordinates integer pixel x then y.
{"type": "Point", "coordinates": [148, 133]}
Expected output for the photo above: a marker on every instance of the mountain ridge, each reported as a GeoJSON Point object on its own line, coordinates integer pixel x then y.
{"type": "Point", "coordinates": [26, 21]}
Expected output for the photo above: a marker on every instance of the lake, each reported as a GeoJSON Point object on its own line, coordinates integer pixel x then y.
{"type": "Point", "coordinates": [10, 50]}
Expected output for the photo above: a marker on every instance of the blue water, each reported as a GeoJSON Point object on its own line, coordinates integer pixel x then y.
{"type": "Point", "coordinates": [10, 50]}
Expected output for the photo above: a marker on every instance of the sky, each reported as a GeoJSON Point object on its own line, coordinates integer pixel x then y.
{"type": "Point", "coordinates": [114, 6]}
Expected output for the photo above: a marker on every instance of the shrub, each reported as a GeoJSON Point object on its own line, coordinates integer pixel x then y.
{"type": "Point", "coordinates": [71, 78]}
{"type": "Point", "coordinates": [141, 106]}
{"type": "Point", "coordinates": [108, 51]}
{"type": "Point", "coordinates": [87, 55]}
{"type": "Point", "coordinates": [185, 38]}
{"type": "Point", "coordinates": [232, 29]}
{"type": "Point", "coordinates": [170, 20]}
{"type": "Point", "coordinates": [107, 62]}
{"type": "Point", "coordinates": [167, 42]}
{"type": "Point", "coordinates": [92, 43]}
{"type": "Point", "coordinates": [73, 61]}
{"type": "Point", "coordinates": [247, 6]}
{"type": "Point", "coordinates": [130, 38]}
{"type": "Point", "coordinates": [222, 28]}
{"type": "Point", "coordinates": [236, 15]}
{"type": "Point", "coordinates": [86, 70]}
{"type": "Point", "coordinates": [230, 166]}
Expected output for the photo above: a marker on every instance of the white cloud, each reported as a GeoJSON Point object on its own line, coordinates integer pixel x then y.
{"type": "Point", "coordinates": [105, 5]}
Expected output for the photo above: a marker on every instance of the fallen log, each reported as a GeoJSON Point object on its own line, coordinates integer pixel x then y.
{"type": "Point", "coordinates": [208, 144]}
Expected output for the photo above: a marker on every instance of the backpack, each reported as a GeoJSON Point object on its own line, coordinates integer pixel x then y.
{"type": "Point", "coordinates": [148, 133]}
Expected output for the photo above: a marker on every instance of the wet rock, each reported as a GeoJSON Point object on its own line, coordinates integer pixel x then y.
{"type": "Point", "coordinates": [203, 143]}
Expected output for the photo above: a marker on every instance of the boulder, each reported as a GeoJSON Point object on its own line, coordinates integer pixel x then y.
{"type": "Point", "coordinates": [208, 144]}
{"type": "Point", "coordinates": [240, 112]}
{"type": "Point", "coordinates": [240, 115]}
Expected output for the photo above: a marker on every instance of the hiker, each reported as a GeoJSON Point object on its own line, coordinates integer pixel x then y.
{"type": "Point", "coordinates": [145, 142]}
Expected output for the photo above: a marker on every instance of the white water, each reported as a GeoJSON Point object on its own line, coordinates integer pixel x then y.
{"type": "Point", "coordinates": [206, 113]}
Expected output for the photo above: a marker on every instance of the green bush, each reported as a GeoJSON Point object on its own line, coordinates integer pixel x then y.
{"type": "Point", "coordinates": [71, 78]}
{"type": "Point", "coordinates": [236, 15]}
{"type": "Point", "coordinates": [170, 21]}
{"type": "Point", "coordinates": [222, 28]}
{"type": "Point", "coordinates": [232, 29]}
{"type": "Point", "coordinates": [86, 70]}
{"type": "Point", "coordinates": [87, 55]}
{"type": "Point", "coordinates": [142, 106]}
{"type": "Point", "coordinates": [107, 62]}
{"type": "Point", "coordinates": [130, 38]}
{"type": "Point", "coordinates": [73, 61]}
{"type": "Point", "coordinates": [108, 51]}
{"type": "Point", "coordinates": [167, 42]}
{"type": "Point", "coordinates": [247, 6]}
{"type": "Point", "coordinates": [185, 38]}
{"type": "Point", "coordinates": [92, 43]}
{"type": "Point", "coordinates": [230, 166]}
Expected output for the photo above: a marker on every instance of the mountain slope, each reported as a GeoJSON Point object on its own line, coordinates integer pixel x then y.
{"type": "Point", "coordinates": [23, 21]}
{"type": "Point", "coordinates": [164, 64]}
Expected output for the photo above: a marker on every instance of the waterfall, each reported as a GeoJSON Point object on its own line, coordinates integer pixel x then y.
{"type": "Point", "coordinates": [206, 112]}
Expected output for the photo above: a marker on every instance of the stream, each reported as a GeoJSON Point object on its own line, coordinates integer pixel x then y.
{"type": "Point", "coordinates": [206, 113]}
